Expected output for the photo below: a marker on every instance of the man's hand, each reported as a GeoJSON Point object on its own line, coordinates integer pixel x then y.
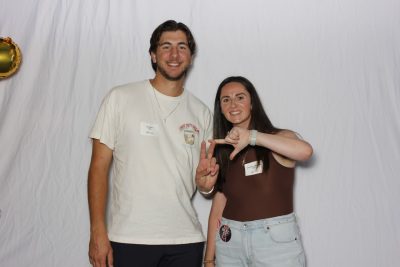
{"type": "Point", "coordinates": [207, 169]}
{"type": "Point", "coordinates": [238, 137]}
{"type": "Point", "coordinates": [100, 251]}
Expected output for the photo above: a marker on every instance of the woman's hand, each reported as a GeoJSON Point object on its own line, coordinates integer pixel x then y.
{"type": "Point", "coordinates": [238, 137]}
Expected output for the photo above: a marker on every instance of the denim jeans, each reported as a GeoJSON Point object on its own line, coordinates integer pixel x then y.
{"type": "Point", "coordinates": [272, 242]}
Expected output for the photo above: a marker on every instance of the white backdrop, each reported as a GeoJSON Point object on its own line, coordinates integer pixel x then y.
{"type": "Point", "coordinates": [329, 69]}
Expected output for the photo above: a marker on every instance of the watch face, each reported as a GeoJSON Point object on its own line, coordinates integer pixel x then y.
{"type": "Point", "coordinates": [10, 57]}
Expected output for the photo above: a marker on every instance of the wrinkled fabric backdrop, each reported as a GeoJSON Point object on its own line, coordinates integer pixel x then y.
{"type": "Point", "coordinates": [326, 69]}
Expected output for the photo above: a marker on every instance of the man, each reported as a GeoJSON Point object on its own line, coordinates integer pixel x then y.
{"type": "Point", "coordinates": [151, 132]}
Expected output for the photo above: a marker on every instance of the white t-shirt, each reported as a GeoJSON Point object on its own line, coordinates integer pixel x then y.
{"type": "Point", "coordinates": [156, 147]}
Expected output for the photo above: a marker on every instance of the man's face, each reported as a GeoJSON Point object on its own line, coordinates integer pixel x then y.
{"type": "Point", "coordinates": [172, 56]}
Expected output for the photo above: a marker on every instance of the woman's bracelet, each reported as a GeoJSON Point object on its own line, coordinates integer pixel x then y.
{"type": "Point", "coordinates": [209, 261]}
{"type": "Point", "coordinates": [207, 193]}
{"type": "Point", "coordinates": [253, 137]}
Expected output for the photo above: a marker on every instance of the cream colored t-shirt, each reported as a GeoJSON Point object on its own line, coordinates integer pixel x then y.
{"type": "Point", "coordinates": [156, 147]}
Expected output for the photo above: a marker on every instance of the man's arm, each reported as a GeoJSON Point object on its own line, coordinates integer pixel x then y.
{"type": "Point", "coordinates": [99, 247]}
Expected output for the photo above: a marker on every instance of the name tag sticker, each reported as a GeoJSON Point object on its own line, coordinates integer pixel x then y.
{"type": "Point", "coordinates": [251, 168]}
{"type": "Point", "coordinates": [149, 129]}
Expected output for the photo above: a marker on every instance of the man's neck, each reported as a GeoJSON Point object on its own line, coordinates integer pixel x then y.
{"type": "Point", "coordinates": [167, 87]}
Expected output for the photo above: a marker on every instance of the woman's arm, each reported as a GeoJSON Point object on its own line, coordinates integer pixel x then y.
{"type": "Point", "coordinates": [218, 205]}
{"type": "Point", "coordinates": [284, 143]}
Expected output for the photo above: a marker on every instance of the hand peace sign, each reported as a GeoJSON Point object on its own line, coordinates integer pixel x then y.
{"type": "Point", "coordinates": [207, 169]}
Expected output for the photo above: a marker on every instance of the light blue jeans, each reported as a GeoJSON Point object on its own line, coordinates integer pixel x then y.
{"type": "Point", "coordinates": [272, 242]}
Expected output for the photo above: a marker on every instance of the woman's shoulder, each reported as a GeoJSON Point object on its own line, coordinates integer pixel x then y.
{"type": "Point", "coordinates": [284, 161]}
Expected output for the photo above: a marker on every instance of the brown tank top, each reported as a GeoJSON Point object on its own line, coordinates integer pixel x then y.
{"type": "Point", "coordinates": [264, 195]}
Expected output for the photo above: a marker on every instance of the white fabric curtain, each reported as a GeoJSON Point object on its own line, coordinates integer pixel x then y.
{"type": "Point", "coordinates": [329, 70]}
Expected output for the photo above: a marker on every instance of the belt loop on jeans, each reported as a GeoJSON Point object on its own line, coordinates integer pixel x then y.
{"type": "Point", "coordinates": [265, 224]}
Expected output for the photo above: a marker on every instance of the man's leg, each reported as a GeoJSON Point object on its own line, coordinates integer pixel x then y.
{"type": "Point", "coordinates": [185, 255]}
{"type": "Point", "coordinates": [128, 255]}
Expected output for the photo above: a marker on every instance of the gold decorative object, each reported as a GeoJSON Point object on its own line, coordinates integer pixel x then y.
{"type": "Point", "coordinates": [10, 57]}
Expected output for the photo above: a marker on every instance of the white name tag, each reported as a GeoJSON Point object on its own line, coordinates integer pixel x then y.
{"type": "Point", "coordinates": [149, 129]}
{"type": "Point", "coordinates": [251, 168]}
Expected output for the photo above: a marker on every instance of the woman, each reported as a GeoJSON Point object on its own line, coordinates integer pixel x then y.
{"type": "Point", "coordinates": [251, 220]}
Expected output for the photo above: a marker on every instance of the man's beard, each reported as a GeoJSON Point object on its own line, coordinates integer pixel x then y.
{"type": "Point", "coordinates": [172, 78]}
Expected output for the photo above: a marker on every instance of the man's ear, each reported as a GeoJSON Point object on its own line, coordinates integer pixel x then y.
{"type": "Point", "coordinates": [153, 57]}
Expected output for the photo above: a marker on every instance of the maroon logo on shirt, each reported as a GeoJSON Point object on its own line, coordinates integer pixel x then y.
{"type": "Point", "coordinates": [189, 132]}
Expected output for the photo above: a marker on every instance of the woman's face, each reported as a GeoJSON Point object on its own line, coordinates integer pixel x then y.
{"type": "Point", "coordinates": [236, 104]}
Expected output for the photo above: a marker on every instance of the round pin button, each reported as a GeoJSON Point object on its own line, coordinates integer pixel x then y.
{"type": "Point", "coordinates": [225, 233]}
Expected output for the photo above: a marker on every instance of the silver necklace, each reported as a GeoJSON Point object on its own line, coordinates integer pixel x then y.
{"type": "Point", "coordinates": [160, 109]}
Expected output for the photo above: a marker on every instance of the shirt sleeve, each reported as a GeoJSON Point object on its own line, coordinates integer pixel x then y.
{"type": "Point", "coordinates": [209, 130]}
{"type": "Point", "coordinates": [104, 128]}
